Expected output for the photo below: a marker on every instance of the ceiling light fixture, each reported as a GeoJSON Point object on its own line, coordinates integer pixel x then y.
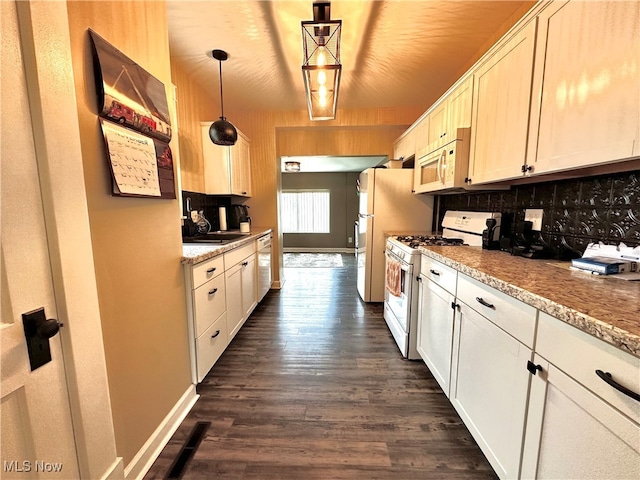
{"type": "Point", "coordinates": [321, 66]}
{"type": "Point", "coordinates": [221, 131]}
{"type": "Point", "coordinates": [291, 167]}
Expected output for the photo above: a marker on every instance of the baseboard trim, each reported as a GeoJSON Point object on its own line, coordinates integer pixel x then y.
{"type": "Point", "coordinates": [277, 284]}
{"type": "Point", "coordinates": [116, 471]}
{"type": "Point", "coordinates": [141, 463]}
{"type": "Point", "coordinates": [317, 250]}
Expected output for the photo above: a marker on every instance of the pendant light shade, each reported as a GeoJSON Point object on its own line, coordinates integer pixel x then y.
{"type": "Point", "coordinates": [221, 131]}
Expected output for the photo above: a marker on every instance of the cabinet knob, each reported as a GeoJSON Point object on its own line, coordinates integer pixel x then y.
{"type": "Point", "coordinates": [455, 306]}
{"type": "Point", "coordinates": [467, 180]}
{"type": "Point", "coordinates": [244, 264]}
{"type": "Point", "coordinates": [526, 168]}
{"type": "Point", "coordinates": [533, 368]}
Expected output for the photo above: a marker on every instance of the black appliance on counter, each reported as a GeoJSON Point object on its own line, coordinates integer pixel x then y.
{"type": "Point", "coordinates": [527, 243]}
{"type": "Point", "coordinates": [237, 214]}
{"type": "Point", "coordinates": [491, 234]}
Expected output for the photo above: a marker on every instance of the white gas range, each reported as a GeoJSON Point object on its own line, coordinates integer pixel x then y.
{"type": "Point", "coordinates": [403, 268]}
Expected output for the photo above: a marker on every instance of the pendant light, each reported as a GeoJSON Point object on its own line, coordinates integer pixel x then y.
{"type": "Point", "coordinates": [222, 132]}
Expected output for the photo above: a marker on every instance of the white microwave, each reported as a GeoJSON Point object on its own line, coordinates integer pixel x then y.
{"type": "Point", "coordinates": [443, 168]}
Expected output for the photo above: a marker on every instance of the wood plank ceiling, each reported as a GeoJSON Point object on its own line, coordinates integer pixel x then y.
{"type": "Point", "coordinates": [394, 53]}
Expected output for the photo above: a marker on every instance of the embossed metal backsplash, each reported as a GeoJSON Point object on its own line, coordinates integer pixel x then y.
{"type": "Point", "coordinates": [576, 212]}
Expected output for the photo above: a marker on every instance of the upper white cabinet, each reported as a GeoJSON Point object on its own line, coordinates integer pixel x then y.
{"type": "Point", "coordinates": [227, 170]}
{"type": "Point", "coordinates": [421, 133]}
{"type": "Point", "coordinates": [405, 146]}
{"type": "Point", "coordinates": [586, 103]}
{"type": "Point", "coordinates": [442, 159]}
{"type": "Point", "coordinates": [501, 109]}
{"type": "Point", "coordinates": [453, 112]}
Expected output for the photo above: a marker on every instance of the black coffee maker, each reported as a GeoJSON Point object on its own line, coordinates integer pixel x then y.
{"type": "Point", "coordinates": [491, 234]}
{"type": "Point", "coordinates": [527, 243]}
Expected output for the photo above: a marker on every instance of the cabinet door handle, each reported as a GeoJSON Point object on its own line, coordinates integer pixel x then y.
{"type": "Point", "coordinates": [211, 270]}
{"type": "Point", "coordinates": [211, 292]}
{"type": "Point", "coordinates": [455, 305]}
{"type": "Point", "coordinates": [215, 334]}
{"type": "Point", "coordinates": [481, 301]}
{"type": "Point", "coordinates": [244, 264]}
{"type": "Point", "coordinates": [606, 376]}
{"type": "Point", "coordinates": [533, 368]}
{"type": "Point", "coordinates": [437, 274]}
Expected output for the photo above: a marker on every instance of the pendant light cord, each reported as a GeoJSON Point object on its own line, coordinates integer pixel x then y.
{"type": "Point", "coordinates": [221, 100]}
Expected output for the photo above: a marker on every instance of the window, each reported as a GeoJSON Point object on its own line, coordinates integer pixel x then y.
{"type": "Point", "coordinates": [305, 211]}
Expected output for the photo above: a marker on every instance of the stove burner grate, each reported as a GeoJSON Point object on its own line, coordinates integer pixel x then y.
{"type": "Point", "coordinates": [414, 241]}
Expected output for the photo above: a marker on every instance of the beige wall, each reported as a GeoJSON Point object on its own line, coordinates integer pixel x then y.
{"type": "Point", "coordinates": [194, 105]}
{"type": "Point", "coordinates": [273, 134]}
{"type": "Point", "coordinates": [136, 241]}
{"type": "Point", "coordinates": [343, 208]}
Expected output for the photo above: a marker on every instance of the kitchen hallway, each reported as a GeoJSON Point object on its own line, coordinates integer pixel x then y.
{"type": "Point", "coordinates": [314, 387]}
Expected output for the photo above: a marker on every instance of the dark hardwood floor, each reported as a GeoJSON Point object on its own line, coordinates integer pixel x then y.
{"type": "Point", "coordinates": [314, 387]}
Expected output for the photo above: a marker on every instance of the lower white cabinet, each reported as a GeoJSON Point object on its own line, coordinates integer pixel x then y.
{"type": "Point", "coordinates": [489, 387]}
{"type": "Point", "coordinates": [240, 279]}
{"type": "Point", "coordinates": [206, 307]}
{"type": "Point", "coordinates": [221, 294]}
{"type": "Point", "coordinates": [572, 433]}
{"type": "Point", "coordinates": [435, 329]}
{"type": "Point", "coordinates": [570, 409]}
{"type": "Point", "coordinates": [578, 425]}
{"type": "Point", "coordinates": [210, 345]}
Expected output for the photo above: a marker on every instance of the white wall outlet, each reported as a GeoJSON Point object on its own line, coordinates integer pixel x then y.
{"type": "Point", "coordinates": [350, 240]}
{"type": "Point", "coordinates": [194, 215]}
{"type": "Point", "coordinates": [534, 215]}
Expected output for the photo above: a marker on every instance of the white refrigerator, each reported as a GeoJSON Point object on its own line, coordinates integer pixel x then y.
{"type": "Point", "coordinates": [387, 204]}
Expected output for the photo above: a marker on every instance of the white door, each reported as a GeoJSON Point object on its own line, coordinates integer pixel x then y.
{"type": "Point", "coordinates": [572, 433]}
{"type": "Point", "coordinates": [435, 330]}
{"type": "Point", "coordinates": [489, 386]}
{"type": "Point", "coordinates": [36, 437]}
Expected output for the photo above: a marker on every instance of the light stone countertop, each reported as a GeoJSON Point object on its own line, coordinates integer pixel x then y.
{"type": "Point", "coordinates": [193, 253]}
{"type": "Point", "coordinates": [605, 307]}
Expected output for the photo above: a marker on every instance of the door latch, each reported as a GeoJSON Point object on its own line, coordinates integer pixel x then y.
{"type": "Point", "coordinates": [38, 329]}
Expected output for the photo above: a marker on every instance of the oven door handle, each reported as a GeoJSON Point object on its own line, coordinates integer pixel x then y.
{"type": "Point", "coordinates": [403, 265]}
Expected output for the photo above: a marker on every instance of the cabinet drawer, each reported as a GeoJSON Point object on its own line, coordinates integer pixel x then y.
{"type": "Point", "coordinates": [513, 316]}
{"type": "Point", "coordinates": [210, 345]}
{"type": "Point", "coordinates": [439, 273]}
{"type": "Point", "coordinates": [205, 271]}
{"type": "Point", "coordinates": [579, 355]}
{"type": "Point", "coordinates": [209, 303]}
{"type": "Point", "coordinates": [238, 254]}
